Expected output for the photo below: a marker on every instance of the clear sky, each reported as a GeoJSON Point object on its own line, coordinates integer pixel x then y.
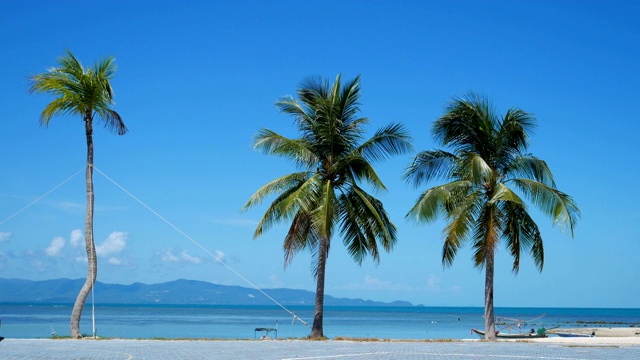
{"type": "Point", "coordinates": [197, 79]}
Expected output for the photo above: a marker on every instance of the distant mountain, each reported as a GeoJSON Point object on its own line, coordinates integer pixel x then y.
{"type": "Point", "coordinates": [187, 292]}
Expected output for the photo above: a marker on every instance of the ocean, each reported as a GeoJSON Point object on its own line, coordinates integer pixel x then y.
{"type": "Point", "coordinates": [239, 322]}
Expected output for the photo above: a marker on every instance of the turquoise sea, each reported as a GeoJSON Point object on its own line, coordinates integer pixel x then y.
{"type": "Point", "coordinates": [240, 322]}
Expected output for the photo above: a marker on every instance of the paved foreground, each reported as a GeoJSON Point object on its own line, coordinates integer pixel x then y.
{"type": "Point", "coordinates": [32, 349]}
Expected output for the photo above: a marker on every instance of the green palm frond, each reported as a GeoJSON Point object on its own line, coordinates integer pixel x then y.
{"type": "Point", "coordinates": [355, 169]}
{"type": "Point", "coordinates": [80, 91]}
{"type": "Point", "coordinates": [487, 153]}
{"type": "Point", "coordinates": [280, 184]}
{"type": "Point", "coordinates": [325, 214]}
{"type": "Point", "coordinates": [530, 167]}
{"type": "Point", "coordinates": [331, 146]}
{"type": "Point", "coordinates": [364, 224]}
{"type": "Point", "coordinates": [486, 234]}
{"type": "Point", "coordinates": [393, 139]}
{"type": "Point", "coordinates": [559, 206]}
{"type": "Point", "coordinates": [481, 172]}
{"type": "Point", "coordinates": [298, 150]}
{"type": "Point", "coordinates": [502, 193]}
{"type": "Point", "coordinates": [300, 195]}
{"type": "Point", "coordinates": [301, 235]}
{"type": "Point", "coordinates": [461, 209]}
{"type": "Point", "coordinates": [434, 201]}
{"type": "Point", "coordinates": [430, 165]}
{"type": "Point", "coordinates": [522, 233]}
{"type": "Point", "coordinates": [513, 133]}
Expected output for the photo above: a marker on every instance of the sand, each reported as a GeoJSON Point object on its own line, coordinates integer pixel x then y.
{"type": "Point", "coordinates": [601, 331]}
{"type": "Point", "coordinates": [613, 336]}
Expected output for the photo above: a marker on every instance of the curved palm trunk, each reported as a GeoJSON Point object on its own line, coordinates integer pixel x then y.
{"type": "Point", "coordinates": [489, 316]}
{"type": "Point", "coordinates": [317, 330]}
{"type": "Point", "coordinates": [92, 263]}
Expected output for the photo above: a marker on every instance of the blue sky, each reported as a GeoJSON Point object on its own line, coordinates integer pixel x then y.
{"type": "Point", "coordinates": [196, 80]}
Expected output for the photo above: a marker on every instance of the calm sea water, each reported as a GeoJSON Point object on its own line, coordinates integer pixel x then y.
{"type": "Point", "coordinates": [239, 322]}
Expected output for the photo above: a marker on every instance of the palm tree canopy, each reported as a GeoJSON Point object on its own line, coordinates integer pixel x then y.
{"type": "Point", "coordinates": [80, 91]}
{"type": "Point", "coordinates": [490, 175]}
{"type": "Point", "coordinates": [333, 158]}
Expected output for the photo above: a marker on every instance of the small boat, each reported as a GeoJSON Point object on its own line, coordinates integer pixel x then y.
{"type": "Point", "coordinates": [499, 335]}
{"type": "Point", "coordinates": [566, 334]}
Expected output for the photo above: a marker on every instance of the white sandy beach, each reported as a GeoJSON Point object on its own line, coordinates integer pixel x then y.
{"type": "Point", "coordinates": [603, 336]}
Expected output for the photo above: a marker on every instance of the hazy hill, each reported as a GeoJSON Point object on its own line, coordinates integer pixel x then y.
{"type": "Point", "coordinates": [190, 292]}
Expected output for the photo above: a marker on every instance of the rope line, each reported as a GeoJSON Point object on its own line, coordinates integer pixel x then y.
{"type": "Point", "coordinates": [295, 317]}
{"type": "Point", "coordinates": [41, 197]}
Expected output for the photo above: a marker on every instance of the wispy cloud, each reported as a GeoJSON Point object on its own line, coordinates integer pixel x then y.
{"type": "Point", "coordinates": [115, 243]}
{"type": "Point", "coordinates": [433, 283]}
{"type": "Point", "coordinates": [191, 259]}
{"type": "Point", "coordinates": [76, 238]}
{"type": "Point", "coordinates": [55, 248]}
{"type": "Point", "coordinates": [184, 257]}
{"type": "Point", "coordinates": [167, 256]}
{"type": "Point", "coordinates": [371, 283]}
{"type": "Point", "coordinates": [5, 236]}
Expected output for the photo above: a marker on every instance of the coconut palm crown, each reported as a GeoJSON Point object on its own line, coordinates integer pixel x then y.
{"type": "Point", "coordinates": [488, 175]}
{"type": "Point", "coordinates": [87, 93]}
{"type": "Point", "coordinates": [325, 195]}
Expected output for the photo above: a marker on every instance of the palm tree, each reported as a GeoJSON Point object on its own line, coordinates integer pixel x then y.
{"type": "Point", "coordinates": [326, 194]}
{"type": "Point", "coordinates": [85, 92]}
{"type": "Point", "coordinates": [487, 168]}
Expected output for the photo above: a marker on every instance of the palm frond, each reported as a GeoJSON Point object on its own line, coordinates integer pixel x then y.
{"type": "Point", "coordinates": [530, 167]}
{"type": "Point", "coordinates": [559, 206]}
{"type": "Point", "coordinates": [434, 201]}
{"type": "Point", "coordinates": [355, 169]}
{"type": "Point", "coordinates": [521, 232]}
{"type": "Point", "coordinates": [301, 235]}
{"type": "Point", "coordinates": [393, 139]}
{"type": "Point", "coordinates": [297, 150]}
{"type": "Point", "coordinates": [325, 214]}
{"type": "Point", "coordinates": [79, 91]}
{"type": "Point", "coordinates": [430, 165]}
{"type": "Point", "coordinates": [364, 224]}
{"type": "Point", "coordinates": [280, 184]}
{"type": "Point", "coordinates": [486, 234]}
{"type": "Point", "coordinates": [503, 193]}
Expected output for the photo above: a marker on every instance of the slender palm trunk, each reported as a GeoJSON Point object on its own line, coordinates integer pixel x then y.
{"type": "Point", "coordinates": [489, 316]}
{"type": "Point", "coordinates": [323, 252]}
{"type": "Point", "coordinates": [92, 263]}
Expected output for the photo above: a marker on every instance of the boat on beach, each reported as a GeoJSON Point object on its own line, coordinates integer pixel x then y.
{"type": "Point", "coordinates": [567, 334]}
{"type": "Point", "coordinates": [530, 335]}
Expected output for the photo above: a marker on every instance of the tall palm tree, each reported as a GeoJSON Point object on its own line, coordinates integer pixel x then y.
{"type": "Point", "coordinates": [326, 194]}
{"type": "Point", "coordinates": [84, 92]}
{"type": "Point", "coordinates": [487, 167]}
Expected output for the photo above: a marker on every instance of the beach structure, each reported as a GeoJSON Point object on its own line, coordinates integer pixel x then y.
{"type": "Point", "coordinates": [541, 333]}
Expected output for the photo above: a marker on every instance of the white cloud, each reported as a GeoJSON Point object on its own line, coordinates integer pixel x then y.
{"type": "Point", "coordinates": [70, 206]}
{"type": "Point", "coordinates": [371, 283]}
{"type": "Point", "coordinates": [114, 261]}
{"type": "Point", "coordinates": [219, 255]}
{"type": "Point", "coordinates": [81, 259]}
{"type": "Point", "coordinates": [433, 283]}
{"type": "Point", "coordinates": [115, 243]}
{"type": "Point", "coordinates": [169, 257]}
{"type": "Point", "coordinates": [188, 258]}
{"type": "Point", "coordinates": [5, 236]}
{"type": "Point", "coordinates": [76, 238]}
{"type": "Point", "coordinates": [55, 247]}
